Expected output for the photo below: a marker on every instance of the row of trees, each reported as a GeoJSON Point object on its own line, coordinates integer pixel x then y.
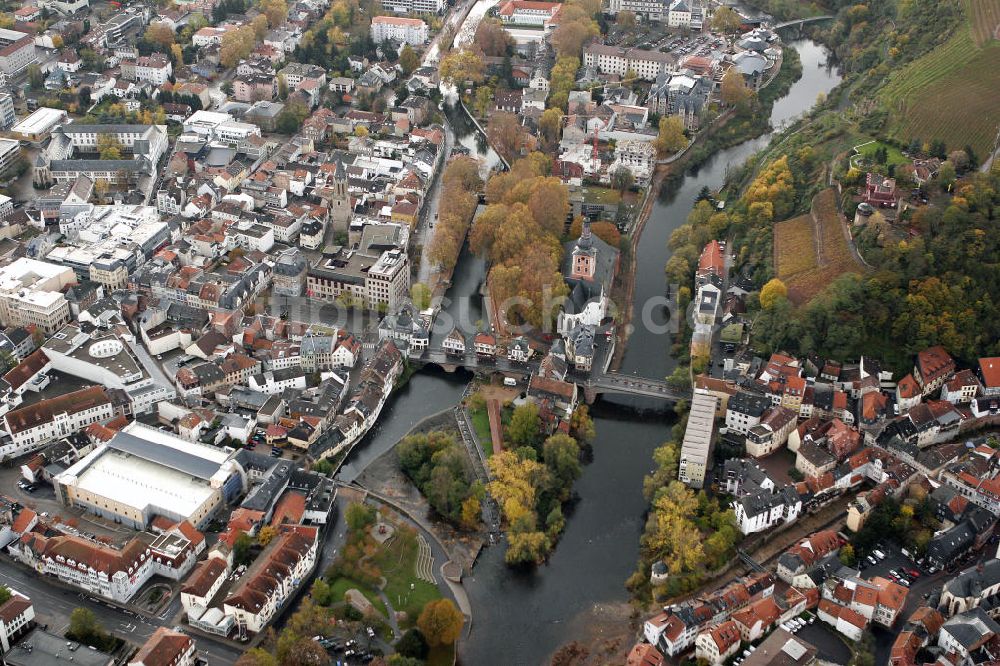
{"type": "Point", "coordinates": [687, 531]}
{"type": "Point", "coordinates": [460, 184]}
{"type": "Point", "coordinates": [519, 233]}
{"type": "Point", "coordinates": [533, 477]}
{"type": "Point", "coordinates": [440, 468]}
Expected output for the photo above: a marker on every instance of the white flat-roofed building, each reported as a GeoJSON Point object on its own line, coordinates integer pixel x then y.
{"type": "Point", "coordinates": [646, 65]}
{"type": "Point", "coordinates": [143, 472]}
{"type": "Point", "coordinates": [696, 449]}
{"type": "Point", "coordinates": [529, 13]}
{"type": "Point", "coordinates": [406, 30]}
{"type": "Point", "coordinates": [17, 51]}
{"type": "Point", "coordinates": [652, 10]}
{"type": "Point", "coordinates": [39, 124]}
{"type": "Point", "coordinates": [219, 126]}
{"type": "Point", "coordinates": [10, 153]}
{"type": "Point", "coordinates": [415, 6]}
{"type": "Point", "coordinates": [31, 293]}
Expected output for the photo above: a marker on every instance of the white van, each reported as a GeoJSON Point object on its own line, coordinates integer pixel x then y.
{"type": "Point", "coordinates": [509, 381]}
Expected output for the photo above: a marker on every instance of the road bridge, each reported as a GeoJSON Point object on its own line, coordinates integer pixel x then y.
{"type": "Point", "coordinates": [593, 384]}
{"type": "Point", "coordinates": [802, 21]}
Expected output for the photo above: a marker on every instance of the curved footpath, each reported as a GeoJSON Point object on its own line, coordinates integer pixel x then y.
{"type": "Point", "coordinates": [457, 589]}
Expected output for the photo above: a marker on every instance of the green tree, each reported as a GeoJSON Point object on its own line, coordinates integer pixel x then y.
{"type": "Point", "coordinates": [622, 179]}
{"type": "Point", "coordinates": [409, 60]}
{"type": "Point", "coordinates": [109, 147]}
{"type": "Point", "coordinates": [241, 549]}
{"type": "Point", "coordinates": [671, 135]}
{"type": "Point", "coordinates": [359, 516]}
{"type": "Point", "coordinates": [440, 622]}
{"type": "Point", "coordinates": [847, 557]}
{"type": "Point", "coordinates": [412, 644]}
{"type": "Point", "coordinates": [561, 454]}
{"type": "Point", "coordinates": [420, 293]}
{"type": "Point", "coordinates": [525, 425]}
{"type": "Point", "coordinates": [5, 594]}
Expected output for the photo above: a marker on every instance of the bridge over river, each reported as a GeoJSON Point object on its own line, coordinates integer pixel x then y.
{"type": "Point", "coordinates": [594, 383]}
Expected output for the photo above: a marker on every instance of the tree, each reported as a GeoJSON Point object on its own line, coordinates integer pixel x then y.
{"type": "Point", "coordinates": [160, 34]}
{"type": "Point", "coordinates": [241, 549]}
{"type": "Point", "coordinates": [177, 54]}
{"type": "Point", "coordinates": [506, 134]}
{"type": "Point", "coordinates": [946, 175]}
{"type": "Point", "coordinates": [727, 21]}
{"type": "Point", "coordinates": [527, 547]}
{"type": "Point", "coordinates": [440, 622]}
{"type": "Point", "coordinates": [471, 511]}
{"type": "Point", "coordinates": [35, 77]}
{"type": "Point", "coordinates": [291, 117]}
{"type": "Point", "coordinates": [847, 555]}
{"type": "Point", "coordinates": [671, 136]}
{"type": "Point", "coordinates": [772, 292]}
{"type": "Point", "coordinates": [412, 644]}
{"type": "Point", "coordinates": [492, 39]}
{"type": "Point", "coordinates": [525, 425]}
{"type": "Point", "coordinates": [305, 652]}
{"type": "Point", "coordinates": [420, 293]}
{"type": "Point", "coordinates": [483, 102]}
{"type": "Point", "coordinates": [625, 20]}
{"type": "Point", "coordinates": [622, 179]}
{"type": "Point", "coordinates": [276, 11]}
{"type": "Point", "coordinates": [734, 91]}
{"type": "Point", "coordinates": [408, 60]}
{"type": "Point", "coordinates": [359, 516]}
{"type": "Point", "coordinates": [462, 65]}
{"type": "Point", "coordinates": [5, 594]}
{"type": "Point", "coordinates": [257, 657]}
{"type": "Point", "coordinates": [266, 535]}
{"type": "Point", "coordinates": [550, 125]}
{"type": "Point", "coordinates": [561, 454]}
{"type": "Point", "coordinates": [236, 45]}
{"type": "Point", "coordinates": [109, 147]}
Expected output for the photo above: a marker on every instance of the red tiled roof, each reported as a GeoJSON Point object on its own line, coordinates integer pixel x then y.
{"type": "Point", "coordinates": [989, 370]}
{"type": "Point", "coordinates": [14, 608]}
{"type": "Point", "coordinates": [163, 648]}
{"type": "Point", "coordinates": [26, 369]}
{"type": "Point", "coordinates": [34, 415]}
{"type": "Point", "coordinates": [644, 654]}
{"type": "Point", "coordinates": [23, 520]}
{"type": "Point", "coordinates": [290, 508]}
{"type": "Point", "coordinates": [934, 362]}
{"type": "Point", "coordinates": [907, 387]}
{"type": "Point", "coordinates": [204, 576]}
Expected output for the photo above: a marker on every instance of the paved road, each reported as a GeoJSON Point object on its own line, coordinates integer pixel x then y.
{"type": "Point", "coordinates": [53, 604]}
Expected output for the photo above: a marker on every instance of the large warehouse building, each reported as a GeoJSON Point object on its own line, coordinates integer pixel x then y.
{"type": "Point", "coordinates": [143, 472]}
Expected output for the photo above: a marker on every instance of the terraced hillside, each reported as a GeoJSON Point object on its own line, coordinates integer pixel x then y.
{"type": "Point", "coordinates": [953, 92]}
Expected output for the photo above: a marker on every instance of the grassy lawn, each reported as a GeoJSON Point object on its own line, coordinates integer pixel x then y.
{"type": "Point", "coordinates": [601, 195]}
{"type": "Point", "coordinates": [893, 154]}
{"type": "Point", "coordinates": [339, 588]}
{"type": "Point", "coordinates": [481, 422]}
{"type": "Point", "coordinates": [397, 562]}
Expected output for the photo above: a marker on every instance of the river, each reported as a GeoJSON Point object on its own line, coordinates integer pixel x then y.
{"type": "Point", "coordinates": [522, 617]}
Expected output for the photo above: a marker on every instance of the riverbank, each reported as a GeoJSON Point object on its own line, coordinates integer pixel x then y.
{"type": "Point", "coordinates": [727, 131]}
{"type": "Point", "coordinates": [383, 477]}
